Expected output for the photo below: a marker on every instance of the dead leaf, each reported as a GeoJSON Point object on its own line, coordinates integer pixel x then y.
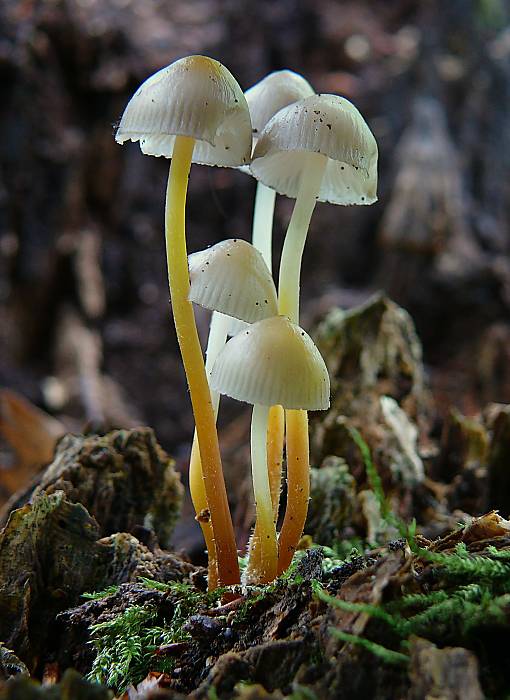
{"type": "Point", "coordinates": [32, 435]}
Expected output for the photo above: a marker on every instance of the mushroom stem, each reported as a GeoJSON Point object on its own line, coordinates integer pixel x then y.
{"type": "Point", "coordinates": [262, 239]}
{"type": "Point", "coordinates": [298, 468]}
{"type": "Point", "coordinates": [292, 253]}
{"type": "Point", "coordinates": [263, 569]}
{"type": "Point", "coordinates": [215, 343]}
{"type": "Point", "coordinates": [274, 448]}
{"type": "Point", "coordinates": [191, 352]}
{"type": "Point", "coordinates": [298, 486]}
{"type": "Point", "coordinates": [263, 222]}
{"type": "Point", "coordinates": [275, 438]}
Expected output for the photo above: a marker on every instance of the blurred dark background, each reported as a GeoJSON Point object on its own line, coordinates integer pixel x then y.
{"type": "Point", "coordinates": [85, 327]}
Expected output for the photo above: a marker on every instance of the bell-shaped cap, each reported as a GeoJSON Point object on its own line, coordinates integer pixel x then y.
{"type": "Point", "coordinates": [232, 277]}
{"type": "Point", "coordinates": [272, 93]}
{"type": "Point", "coordinates": [195, 96]}
{"type": "Point", "coordinates": [326, 124]}
{"type": "Point", "coordinates": [273, 362]}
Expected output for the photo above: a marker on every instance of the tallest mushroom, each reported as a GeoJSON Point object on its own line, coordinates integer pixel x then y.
{"type": "Point", "coordinates": [193, 111]}
{"type": "Point", "coordinates": [319, 148]}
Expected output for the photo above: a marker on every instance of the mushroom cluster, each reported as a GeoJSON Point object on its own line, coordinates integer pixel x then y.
{"type": "Point", "coordinates": [297, 143]}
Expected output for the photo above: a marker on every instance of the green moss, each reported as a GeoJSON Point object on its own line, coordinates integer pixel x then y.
{"type": "Point", "coordinates": [126, 645]}
{"type": "Point", "coordinates": [388, 656]}
{"type": "Point", "coordinates": [472, 594]}
{"type": "Point", "coordinates": [99, 595]}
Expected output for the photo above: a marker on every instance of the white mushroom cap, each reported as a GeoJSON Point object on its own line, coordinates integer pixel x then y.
{"type": "Point", "coordinates": [325, 124]}
{"type": "Point", "coordinates": [232, 277]}
{"type": "Point", "coordinates": [276, 90]}
{"type": "Point", "coordinates": [194, 96]}
{"type": "Point", "coordinates": [273, 362]}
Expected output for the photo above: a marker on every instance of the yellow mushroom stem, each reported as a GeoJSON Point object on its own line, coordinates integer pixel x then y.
{"type": "Point", "coordinates": [191, 352]}
{"type": "Point", "coordinates": [274, 449]}
{"type": "Point", "coordinates": [298, 476]}
{"type": "Point", "coordinates": [275, 438]}
{"type": "Point", "coordinates": [215, 343]}
{"type": "Point", "coordinates": [203, 516]}
{"type": "Point", "coordinates": [298, 486]}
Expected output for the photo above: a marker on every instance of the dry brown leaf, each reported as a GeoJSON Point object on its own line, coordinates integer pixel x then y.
{"type": "Point", "coordinates": [31, 433]}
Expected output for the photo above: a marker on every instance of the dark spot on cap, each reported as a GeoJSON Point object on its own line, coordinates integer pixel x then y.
{"type": "Point", "coordinates": [329, 126]}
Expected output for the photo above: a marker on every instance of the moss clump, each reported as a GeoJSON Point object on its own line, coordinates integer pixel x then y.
{"type": "Point", "coordinates": [127, 645]}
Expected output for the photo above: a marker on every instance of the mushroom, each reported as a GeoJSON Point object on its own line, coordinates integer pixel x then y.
{"type": "Point", "coordinates": [317, 148]}
{"type": "Point", "coordinates": [193, 111]}
{"type": "Point", "coordinates": [265, 99]}
{"type": "Point", "coordinates": [272, 362]}
{"type": "Point", "coordinates": [231, 279]}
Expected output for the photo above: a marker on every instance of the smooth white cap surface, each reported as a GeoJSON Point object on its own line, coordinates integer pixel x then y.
{"type": "Point", "coordinates": [195, 96]}
{"type": "Point", "coordinates": [325, 124]}
{"type": "Point", "coordinates": [273, 362]}
{"type": "Point", "coordinates": [232, 277]}
{"type": "Point", "coordinates": [276, 90]}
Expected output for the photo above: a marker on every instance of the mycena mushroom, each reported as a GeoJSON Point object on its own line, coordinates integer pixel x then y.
{"type": "Point", "coordinates": [317, 148]}
{"type": "Point", "coordinates": [271, 362]}
{"type": "Point", "coordinates": [193, 111]}
{"type": "Point", "coordinates": [265, 99]}
{"type": "Point", "coordinates": [232, 279]}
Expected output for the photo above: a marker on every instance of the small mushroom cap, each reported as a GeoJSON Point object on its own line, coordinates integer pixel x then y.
{"type": "Point", "coordinates": [195, 96]}
{"type": "Point", "coordinates": [276, 90]}
{"type": "Point", "coordinates": [273, 362]}
{"type": "Point", "coordinates": [232, 277]}
{"type": "Point", "coordinates": [325, 124]}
